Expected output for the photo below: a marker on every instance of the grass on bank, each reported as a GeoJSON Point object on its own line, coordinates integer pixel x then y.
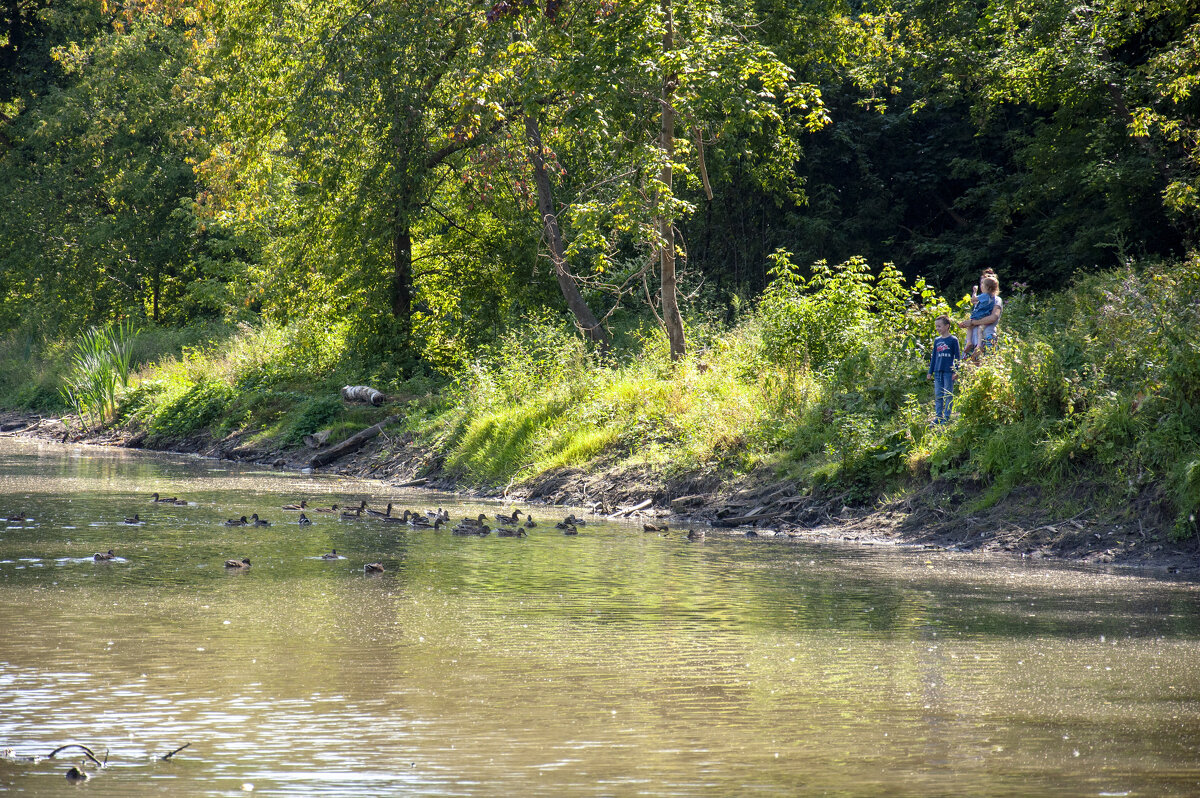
{"type": "Point", "coordinates": [823, 380]}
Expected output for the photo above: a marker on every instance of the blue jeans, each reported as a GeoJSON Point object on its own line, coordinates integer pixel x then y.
{"type": "Point", "coordinates": [943, 395]}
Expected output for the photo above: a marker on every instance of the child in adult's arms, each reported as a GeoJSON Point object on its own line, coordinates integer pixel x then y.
{"type": "Point", "coordinates": [942, 361]}
{"type": "Point", "coordinates": [981, 327]}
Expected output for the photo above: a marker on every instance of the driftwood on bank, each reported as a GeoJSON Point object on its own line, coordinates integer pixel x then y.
{"type": "Point", "coordinates": [351, 444]}
{"type": "Point", "coordinates": [363, 393]}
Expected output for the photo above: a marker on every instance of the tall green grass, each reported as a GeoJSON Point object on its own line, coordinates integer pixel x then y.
{"type": "Point", "coordinates": [100, 364]}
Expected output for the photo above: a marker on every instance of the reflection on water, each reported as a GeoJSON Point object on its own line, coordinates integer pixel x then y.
{"type": "Point", "coordinates": [612, 663]}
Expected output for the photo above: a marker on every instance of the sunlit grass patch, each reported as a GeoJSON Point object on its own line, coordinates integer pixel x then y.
{"type": "Point", "coordinates": [501, 442]}
{"type": "Point", "coordinates": [574, 446]}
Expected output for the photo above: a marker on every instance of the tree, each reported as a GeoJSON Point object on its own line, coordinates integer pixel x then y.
{"type": "Point", "coordinates": [335, 134]}
{"type": "Point", "coordinates": [638, 89]}
{"type": "Point", "coordinates": [99, 193]}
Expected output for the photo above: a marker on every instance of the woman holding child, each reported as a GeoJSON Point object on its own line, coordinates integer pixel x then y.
{"type": "Point", "coordinates": [985, 314]}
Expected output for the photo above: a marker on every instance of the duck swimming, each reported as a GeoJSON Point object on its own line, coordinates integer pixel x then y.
{"type": "Point", "coordinates": [104, 556]}
{"type": "Point", "coordinates": [303, 520]}
{"type": "Point", "coordinates": [303, 505]}
{"type": "Point", "coordinates": [330, 509]}
{"type": "Point", "coordinates": [332, 555]}
{"type": "Point", "coordinates": [508, 520]}
{"type": "Point", "coordinates": [242, 563]}
{"type": "Point", "coordinates": [155, 497]}
{"type": "Point", "coordinates": [376, 513]}
{"type": "Point", "coordinates": [373, 568]}
{"type": "Point", "coordinates": [133, 520]}
{"type": "Point", "coordinates": [237, 521]}
{"type": "Point", "coordinates": [256, 521]}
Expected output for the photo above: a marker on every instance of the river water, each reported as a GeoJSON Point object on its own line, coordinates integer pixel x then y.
{"type": "Point", "coordinates": [614, 662]}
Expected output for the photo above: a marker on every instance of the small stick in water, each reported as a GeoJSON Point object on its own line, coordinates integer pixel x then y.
{"type": "Point", "coordinates": [167, 757]}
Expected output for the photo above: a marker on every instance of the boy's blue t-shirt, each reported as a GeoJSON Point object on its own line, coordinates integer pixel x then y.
{"type": "Point", "coordinates": [984, 306]}
{"type": "Point", "coordinates": [945, 352]}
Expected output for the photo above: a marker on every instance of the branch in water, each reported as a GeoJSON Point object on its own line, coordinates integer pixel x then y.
{"type": "Point", "coordinates": [85, 750]}
{"type": "Point", "coordinates": [167, 757]}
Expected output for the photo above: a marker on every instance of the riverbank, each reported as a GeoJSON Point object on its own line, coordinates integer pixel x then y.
{"type": "Point", "coordinates": [942, 515]}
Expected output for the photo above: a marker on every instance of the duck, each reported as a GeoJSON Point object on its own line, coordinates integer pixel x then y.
{"type": "Point", "coordinates": [570, 530]}
{"type": "Point", "coordinates": [354, 512]}
{"type": "Point", "coordinates": [303, 520]}
{"type": "Point", "coordinates": [237, 521]}
{"type": "Point", "coordinates": [155, 497]}
{"type": "Point", "coordinates": [77, 776]}
{"type": "Point", "coordinates": [508, 520]}
{"type": "Point", "coordinates": [303, 505]}
{"type": "Point", "coordinates": [104, 556]}
{"type": "Point", "coordinates": [256, 521]}
{"type": "Point", "coordinates": [332, 555]}
{"type": "Point", "coordinates": [435, 515]}
{"type": "Point", "coordinates": [692, 534]}
{"type": "Point", "coordinates": [242, 563]}
{"type": "Point", "coordinates": [469, 526]}
{"type": "Point", "coordinates": [654, 528]}
{"type": "Point", "coordinates": [15, 519]}
{"type": "Point", "coordinates": [509, 532]}
{"type": "Point", "coordinates": [331, 509]}
{"type": "Point", "coordinates": [472, 529]}
{"type": "Point", "coordinates": [134, 520]}
{"type": "Point", "coordinates": [373, 568]}
{"type": "Point", "coordinates": [573, 521]}
{"type": "Point", "coordinates": [377, 514]}
{"type": "Point", "coordinates": [395, 519]}
{"type": "Point", "coordinates": [529, 522]}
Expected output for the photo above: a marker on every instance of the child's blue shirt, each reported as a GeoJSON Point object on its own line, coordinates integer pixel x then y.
{"type": "Point", "coordinates": [984, 306]}
{"type": "Point", "coordinates": [945, 353]}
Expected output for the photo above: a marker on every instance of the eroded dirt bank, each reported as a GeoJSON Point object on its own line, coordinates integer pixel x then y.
{"type": "Point", "coordinates": [756, 505]}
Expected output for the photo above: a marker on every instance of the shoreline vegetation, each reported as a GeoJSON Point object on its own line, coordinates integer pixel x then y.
{"type": "Point", "coordinates": [685, 253]}
{"type": "Point", "coordinates": [807, 416]}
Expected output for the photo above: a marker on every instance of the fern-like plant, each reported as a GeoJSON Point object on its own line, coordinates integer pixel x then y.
{"type": "Point", "coordinates": [100, 364]}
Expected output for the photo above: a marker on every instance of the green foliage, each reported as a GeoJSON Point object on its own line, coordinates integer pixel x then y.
{"type": "Point", "coordinates": [100, 363]}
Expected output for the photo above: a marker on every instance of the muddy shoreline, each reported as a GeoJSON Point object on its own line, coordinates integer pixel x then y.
{"type": "Point", "coordinates": [759, 505]}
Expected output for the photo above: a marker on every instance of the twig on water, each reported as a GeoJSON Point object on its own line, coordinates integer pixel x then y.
{"type": "Point", "coordinates": [167, 757]}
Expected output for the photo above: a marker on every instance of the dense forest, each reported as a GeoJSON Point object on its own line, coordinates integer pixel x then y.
{"type": "Point", "coordinates": [695, 234]}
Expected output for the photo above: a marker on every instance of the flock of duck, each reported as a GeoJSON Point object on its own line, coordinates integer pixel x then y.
{"type": "Point", "coordinates": [507, 525]}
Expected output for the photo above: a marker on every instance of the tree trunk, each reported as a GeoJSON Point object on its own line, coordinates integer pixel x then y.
{"type": "Point", "coordinates": [155, 290]}
{"type": "Point", "coordinates": [401, 272]}
{"type": "Point", "coordinates": [584, 318]}
{"type": "Point", "coordinates": [666, 225]}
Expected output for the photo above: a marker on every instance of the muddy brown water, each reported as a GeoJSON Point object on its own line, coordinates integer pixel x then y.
{"type": "Point", "coordinates": [611, 663]}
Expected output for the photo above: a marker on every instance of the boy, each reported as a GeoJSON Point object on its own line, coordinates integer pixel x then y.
{"type": "Point", "coordinates": [941, 369]}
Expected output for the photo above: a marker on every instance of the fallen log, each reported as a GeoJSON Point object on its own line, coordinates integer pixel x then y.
{"type": "Point", "coordinates": [412, 483]}
{"type": "Point", "coordinates": [351, 444]}
{"type": "Point", "coordinates": [363, 393]}
{"type": "Point", "coordinates": [628, 511]}
{"type": "Point", "coordinates": [688, 501]}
